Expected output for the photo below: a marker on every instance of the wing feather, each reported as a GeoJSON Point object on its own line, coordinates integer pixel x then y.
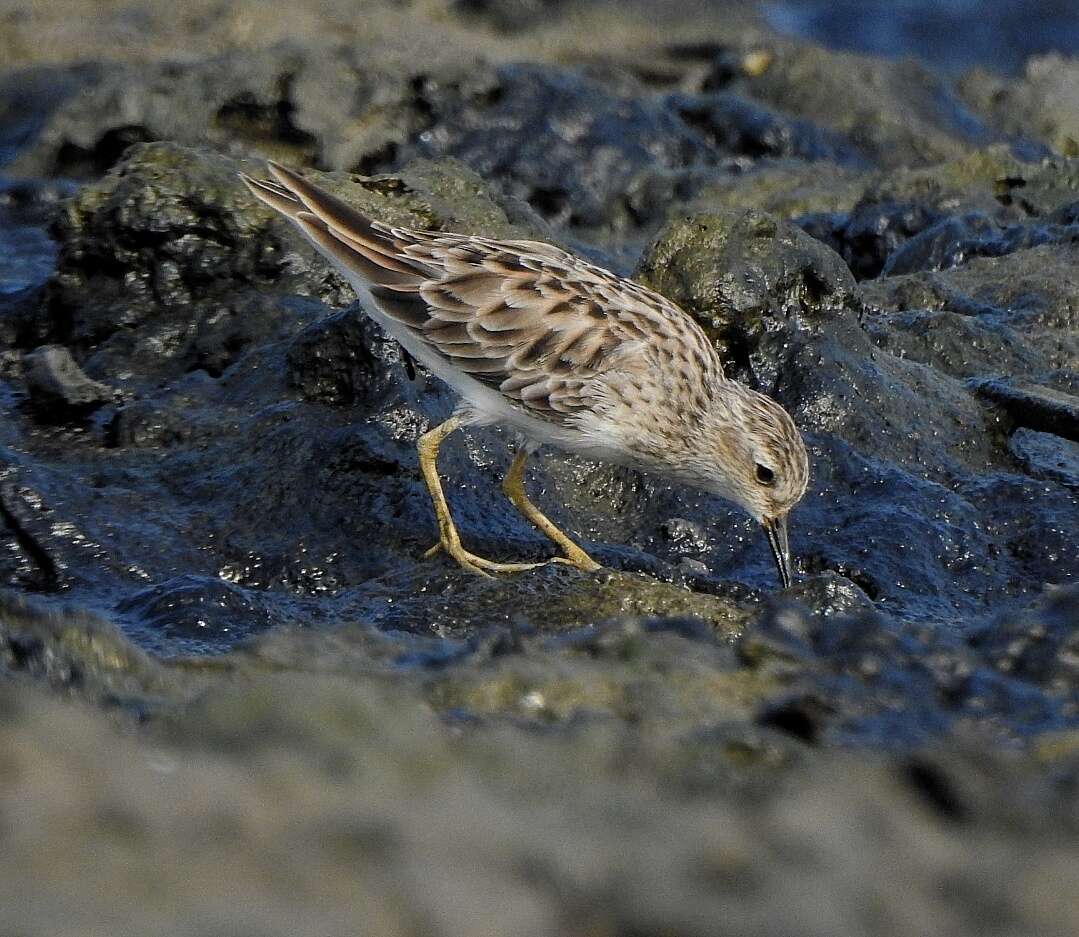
{"type": "Point", "coordinates": [542, 327]}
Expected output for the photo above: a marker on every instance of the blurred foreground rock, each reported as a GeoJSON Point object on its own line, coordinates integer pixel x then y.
{"type": "Point", "coordinates": [622, 778]}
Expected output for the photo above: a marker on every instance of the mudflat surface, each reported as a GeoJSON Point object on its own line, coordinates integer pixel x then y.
{"type": "Point", "coordinates": [230, 683]}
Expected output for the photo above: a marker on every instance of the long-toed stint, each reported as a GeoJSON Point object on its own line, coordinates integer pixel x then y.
{"type": "Point", "coordinates": [563, 352]}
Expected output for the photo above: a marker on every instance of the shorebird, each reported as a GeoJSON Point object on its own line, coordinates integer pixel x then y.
{"type": "Point", "coordinates": [564, 353]}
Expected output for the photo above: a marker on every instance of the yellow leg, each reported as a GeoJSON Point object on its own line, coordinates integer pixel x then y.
{"type": "Point", "coordinates": [448, 538]}
{"type": "Point", "coordinates": [513, 486]}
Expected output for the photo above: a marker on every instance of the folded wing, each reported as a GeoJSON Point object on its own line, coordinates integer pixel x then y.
{"type": "Point", "coordinates": [522, 317]}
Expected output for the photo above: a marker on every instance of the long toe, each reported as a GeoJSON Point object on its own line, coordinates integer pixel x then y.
{"type": "Point", "coordinates": [579, 559]}
{"type": "Point", "coordinates": [468, 561]}
{"type": "Point", "coordinates": [477, 564]}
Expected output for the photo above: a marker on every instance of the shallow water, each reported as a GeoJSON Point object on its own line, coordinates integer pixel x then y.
{"type": "Point", "coordinates": [951, 35]}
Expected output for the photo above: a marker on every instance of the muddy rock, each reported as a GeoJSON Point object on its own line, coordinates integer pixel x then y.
{"type": "Point", "coordinates": [898, 114]}
{"type": "Point", "coordinates": [740, 273]}
{"type": "Point", "coordinates": [551, 600]}
{"type": "Point", "coordinates": [58, 388]}
{"type": "Point", "coordinates": [1040, 104]}
{"type": "Point", "coordinates": [383, 806]}
{"type": "Point", "coordinates": [154, 256]}
{"type": "Point", "coordinates": [325, 105]}
{"type": "Point", "coordinates": [230, 103]}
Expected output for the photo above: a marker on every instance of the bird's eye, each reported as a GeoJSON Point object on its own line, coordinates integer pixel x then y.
{"type": "Point", "coordinates": [765, 475]}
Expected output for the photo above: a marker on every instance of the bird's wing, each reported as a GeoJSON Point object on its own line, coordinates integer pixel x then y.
{"type": "Point", "coordinates": [523, 317]}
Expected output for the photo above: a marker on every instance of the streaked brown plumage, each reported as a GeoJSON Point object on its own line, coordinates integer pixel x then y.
{"type": "Point", "coordinates": [565, 353]}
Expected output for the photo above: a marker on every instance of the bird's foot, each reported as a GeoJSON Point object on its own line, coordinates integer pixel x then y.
{"type": "Point", "coordinates": [577, 558]}
{"type": "Point", "coordinates": [477, 564]}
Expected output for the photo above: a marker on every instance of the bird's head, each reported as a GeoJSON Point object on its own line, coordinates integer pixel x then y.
{"type": "Point", "coordinates": [759, 461]}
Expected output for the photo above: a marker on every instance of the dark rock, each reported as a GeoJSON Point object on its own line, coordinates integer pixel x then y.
{"type": "Point", "coordinates": [148, 248]}
{"type": "Point", "coordinates": [986, 204]}
{"type": "Point", "coordinates": [252, 501]}
{"type": "Point", "coordinates": [1040, 646]}
{"type": "Point", "coordinates": [27, 259]}
{"type": "Point", "coordinates": [831, 594]}
{"type": "Point", "coordinates": [332, 360]}
{"type": "Point", "coordinates": [1039, 408]}
{"type": "Point", "coordinates": [1020, 309]}
{"type": "Point", "coordinates": [144, 423]}
{"type": "Point", "coordinates": [320, 500]}
{"type": "Point", "coordinates": [20, 321]}
{"type": "Point", "coordinates": [35, 567]}
{"type": "Point", "coordinates": [781, 305]}
{"type": "Point", "coordinates": [557, 140]}
{"type": "Point", "coordinates": [1047, 456]}
{"type": "Point", "coordinates": [1014, 675]}
{"type": "Point", "coordinates": [686, 537]}
{"type": "Point", "coordinates": [739, 127]}
{"type": "Point", "coordinates": [954, 240]}
{"type": "Point", "coordinates": [159, 258]}
{"type": "Point", "coordinates": [956, 343]}
{"type": "Point", "coordinates": [819, 362]}
{"type": "Point", "coordinates": [59, 390]}
{"type": "Point", "coordinates": [868, 235]}
{"type": "Point", "coordinates": [200, 614]}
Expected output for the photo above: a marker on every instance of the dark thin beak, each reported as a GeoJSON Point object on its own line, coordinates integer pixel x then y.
{"type": "Point", "coordinates": [776, 532]}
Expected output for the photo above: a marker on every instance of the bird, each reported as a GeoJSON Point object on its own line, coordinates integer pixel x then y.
{"type": "Point", "coordinates": [564, 353]}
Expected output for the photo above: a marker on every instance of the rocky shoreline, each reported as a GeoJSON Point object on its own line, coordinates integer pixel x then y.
{"type": "Point", "coordinates": [236, 699]}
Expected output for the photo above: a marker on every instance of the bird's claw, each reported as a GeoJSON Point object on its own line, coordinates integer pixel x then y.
{"type": "Point", "coordinates": [477, 564]}
{"type": "Point", "coordinates": [584, 562]}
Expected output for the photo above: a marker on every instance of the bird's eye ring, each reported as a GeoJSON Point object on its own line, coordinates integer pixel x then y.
{"type": "Point", "coordinates": [765, 475]}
